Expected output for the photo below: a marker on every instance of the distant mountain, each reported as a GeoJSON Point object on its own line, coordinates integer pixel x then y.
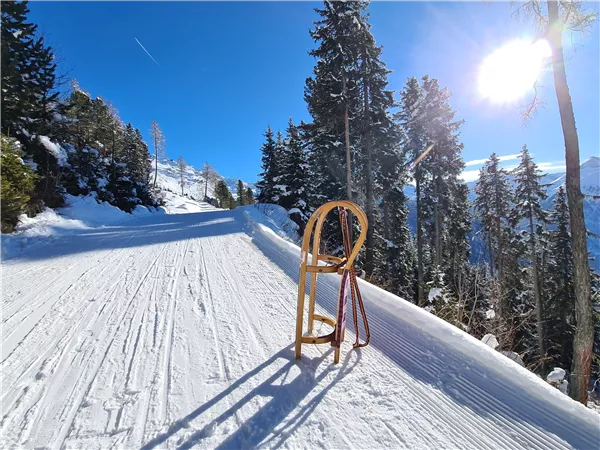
{"type": "Point", "coordinates": [193, 181]}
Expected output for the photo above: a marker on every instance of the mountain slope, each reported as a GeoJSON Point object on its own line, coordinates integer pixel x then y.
{"type": "Point", "coordinates": [177, 331]}
{"type": "Point", "coordinates": [169, 179]}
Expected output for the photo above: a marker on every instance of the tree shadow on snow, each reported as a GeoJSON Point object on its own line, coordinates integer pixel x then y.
{"type": "Point", "coordinates": [145, 231]}
{"type": "Point", "coordinates": [286, 392]}
{"type": "Point", "coordinates": [460, 378]}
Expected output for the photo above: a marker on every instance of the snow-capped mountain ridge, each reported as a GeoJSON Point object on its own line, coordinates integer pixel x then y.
{"type": "Point", "coordinates": [193, 180]}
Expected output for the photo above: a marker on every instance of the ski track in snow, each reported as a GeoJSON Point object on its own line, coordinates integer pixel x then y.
{"type": "Point", "coordinates": [176, 331]}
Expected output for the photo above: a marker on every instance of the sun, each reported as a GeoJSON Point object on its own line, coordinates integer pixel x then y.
{"type": "Point", "coordinates": [511, 71]}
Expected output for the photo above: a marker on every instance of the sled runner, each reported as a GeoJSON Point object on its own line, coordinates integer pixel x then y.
{"type": "Point", "coordinates": [342, 266]}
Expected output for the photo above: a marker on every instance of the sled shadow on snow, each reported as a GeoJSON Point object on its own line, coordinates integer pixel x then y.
{"type": "Point", "coordinates": [448, 372]}
{"type": "Point", "coordinates": [285, 397]}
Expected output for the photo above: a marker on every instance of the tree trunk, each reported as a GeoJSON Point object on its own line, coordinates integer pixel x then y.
{"type": "Point", "coordinates": [348, 154]}
{"type": "Point", "coordinates": [539, 313]}
{"type": "Point", "coordinates": [583, 340]}
{"type": "Point", "coordinates": [155, 164]}
{"type": "Point", "coordinates": [419, 240]}
{"type": "Point", "coordinates": [369, 174]}
{"type": "Point", "coordinates": [437, 218]}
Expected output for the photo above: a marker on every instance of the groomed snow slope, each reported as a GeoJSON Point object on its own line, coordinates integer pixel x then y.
{"type": "Point", "coordinates": [174, 331]}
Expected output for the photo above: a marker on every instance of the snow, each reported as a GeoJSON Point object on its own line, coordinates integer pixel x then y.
{"type": "Point", "coordinates": [490, 340]}
{"type": "Point", "coordinates": [434, 293]}
{"type": "Point", "coordinates": [556, 375]}
{"type": "Point", "coordinates": [56, 150]}
{"type": "Point", "coordinates": [177, 330]}
{"type": "Point", "coordinates": [80, 213]}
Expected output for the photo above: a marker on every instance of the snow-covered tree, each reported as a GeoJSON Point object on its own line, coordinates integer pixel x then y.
{"type": "Point", "coordinates": [241, 201]}
{"type": "Point", "coordinates": [492, 206]}
{"type": "Point", "coordinates": [560, 302]}
{"type": "Point", "coordinates": [293, 174]}
{"type": "Point", "coordinates": [529, 195]}
{"type": "Point", "coordinates": [268, 192]}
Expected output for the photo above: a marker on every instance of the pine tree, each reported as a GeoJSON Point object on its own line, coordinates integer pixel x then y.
{"type": "Point", "coordinates": [559, 312]}
{"type": "Point", "coordinates": [28, 75]}
{"type": "Point", "coordinates": [529, 195]}
{"type": "Point", "coordinates": [333, 99]}
{"type": "Point", "coordinates": [158, 140]}
{"type": "Point", "coordinates": [442, 197]}
{"type": "Point", "coordinates": [410, 118]}
{"type": "Point", "coordinates": [249, 196]}
{"type": "Point", "coordinates": [241, 201]}
{"type": "Point", "coordinates": [492, 205]}
{"type": "Point", "coordinates": [18, 182]}
{"type": "Point", "coordinates": [293, 171]}
{"type": "Point", "coordinates": [267, 183]}
{"type": "Point", "coordinates": [222, 194]}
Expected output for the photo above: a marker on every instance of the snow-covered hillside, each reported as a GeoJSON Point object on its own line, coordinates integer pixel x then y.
{"type": "Point", "coordinates": [177, 330]}
{"type": "Point", "coordinates": [169, 180]}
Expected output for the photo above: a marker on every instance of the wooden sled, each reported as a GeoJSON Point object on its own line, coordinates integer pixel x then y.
{"type": "Point", "coordinates": [342, 266]}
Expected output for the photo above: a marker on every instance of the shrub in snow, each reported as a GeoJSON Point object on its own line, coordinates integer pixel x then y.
{"type": "Point", "coordinates": [17, 184]}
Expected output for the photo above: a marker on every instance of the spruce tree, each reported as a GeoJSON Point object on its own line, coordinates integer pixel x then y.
{"type": "Point", "coordinates": [560, 307]}
{"type": "Point", "coordinates": [492, 206]}
{"type": "Point", "coordinates": [222, 194]}
{"type": "Point", "coordinates": [529, 195]}
{"type": "Point", "coordinates": [266, 185]}
{"type": "Point", "coordinates": [410, 119]}
{"type": "Point", "coordinates": [293, 171]}
{"type": "Point", "coordinates": [241, 201]}
{"type": "Point", "coordinates": [333, 100]}
{"type": "Point", "coordinates": [432, 136]}
{"type": "Point", "coordinates": [249, 196]}
{"type": "Point", "coordinates": [18, 182]}
{"type": "Point", "coordinates": [28, 75]}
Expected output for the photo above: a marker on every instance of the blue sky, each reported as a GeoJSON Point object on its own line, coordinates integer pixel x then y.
{"type": "Point", "coordinates": [227, 69]}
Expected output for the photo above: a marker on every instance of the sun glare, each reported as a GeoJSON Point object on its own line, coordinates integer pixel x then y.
{"type": "Point", "coordinates": [511, 71]}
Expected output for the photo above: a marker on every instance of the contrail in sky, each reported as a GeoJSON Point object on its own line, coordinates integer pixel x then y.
{"type": "Point", "coordinates": [147, 52]}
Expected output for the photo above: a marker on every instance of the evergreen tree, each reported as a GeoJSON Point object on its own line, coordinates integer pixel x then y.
{"type": "Point", "coordinates": [410, 119]}
{"type": "Point", "coordinates": [249, 197]}
{"type": "Point", "coordinates": [560, 308]}
{"type": "Point", "coordinates": [529, 195]}
{"type": "Point", "coordinates": [268, 192]}
{"type": "Point", "coordinates": [222, 194]}
{"type": "Point", "coordinates": [28, 75]}
{"type": "Point", "coordinates": [333, 99]}
{"type": "Point", "coordinates": [492, 205]}
{"type": "Point", "coordinates": [18, 182]}
{"type": "Point", "coordinates": [241, 201]}
{"type": "Point", "coordinates": [293, 172]}
{"type": "Point", "coordinates": [442, 197]}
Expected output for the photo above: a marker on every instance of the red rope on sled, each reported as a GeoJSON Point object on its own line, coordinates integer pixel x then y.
{"type": "Point", "coordinates": [354, 291]}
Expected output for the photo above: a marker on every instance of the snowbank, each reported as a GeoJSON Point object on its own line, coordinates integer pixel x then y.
{"type": "Point", "coordinates": [502, 367]}
{"type": "Point", "coordinates": [81, 212]}
{"type": "Point", "coordinates": [275, 218]}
